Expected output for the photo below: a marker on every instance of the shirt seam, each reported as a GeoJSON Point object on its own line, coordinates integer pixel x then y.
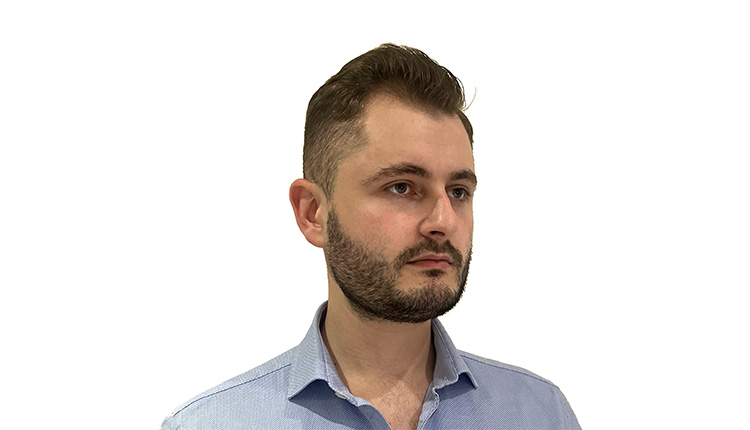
{"type": "Point", "coordinates": [511, 370]}
{"type": "Point", "coordinates": [228, 388]}
{"type": "Point", "coordinates": [450, 356]}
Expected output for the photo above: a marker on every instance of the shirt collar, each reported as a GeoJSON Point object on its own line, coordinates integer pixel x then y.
{"type": "Point", "coordinates": [312, 362]}
{"type": "Point", "coordinates": [449, 364]}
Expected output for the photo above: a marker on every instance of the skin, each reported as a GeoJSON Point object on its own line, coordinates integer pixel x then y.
{"type": "Point", "coordinates": [390, 364]}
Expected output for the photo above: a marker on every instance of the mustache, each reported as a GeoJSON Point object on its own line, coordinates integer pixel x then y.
{"type": "Point", "coordinates": [430, 246]}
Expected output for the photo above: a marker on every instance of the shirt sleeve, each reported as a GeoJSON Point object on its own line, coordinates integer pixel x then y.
{"type": "Point", "coordinates": [169, 423]}
{"type": "Point", "coordinates": [569, 417]}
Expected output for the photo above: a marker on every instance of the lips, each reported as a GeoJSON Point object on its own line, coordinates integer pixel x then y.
{"type": "Point", "coordinates": [432, 260]}
{"type": "Point", "coordinates": [433, 257]}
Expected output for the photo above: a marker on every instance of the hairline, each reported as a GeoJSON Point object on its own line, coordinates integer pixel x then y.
{"type": "Point", "coordinates": [354, 130]}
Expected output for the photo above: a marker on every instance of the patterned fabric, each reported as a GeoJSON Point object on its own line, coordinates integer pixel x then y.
{"type": "Point", "coordinates": [301, 389]}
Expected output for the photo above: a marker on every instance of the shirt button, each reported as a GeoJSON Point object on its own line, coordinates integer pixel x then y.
{"type": "Point", "coordinates": [340, 396]}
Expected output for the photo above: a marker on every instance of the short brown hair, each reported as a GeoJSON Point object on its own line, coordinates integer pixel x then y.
{"type": "Point", "coordinates": [333, 128]}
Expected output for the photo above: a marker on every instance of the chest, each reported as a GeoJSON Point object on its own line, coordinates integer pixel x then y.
{"type": "Point", "coordinates": [400, 406]}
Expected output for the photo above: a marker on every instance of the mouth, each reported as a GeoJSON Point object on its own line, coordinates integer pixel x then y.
{"type": "Point", "coordinates": [432, 261]}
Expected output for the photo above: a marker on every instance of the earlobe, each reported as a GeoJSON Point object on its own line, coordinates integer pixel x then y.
{"type": "Point", "coordinates": [308, 203]}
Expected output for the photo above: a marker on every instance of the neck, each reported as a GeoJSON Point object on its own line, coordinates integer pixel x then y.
{"type": "Point", "coordinates": [367, 350]}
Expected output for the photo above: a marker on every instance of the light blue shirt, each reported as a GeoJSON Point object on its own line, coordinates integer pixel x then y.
{"type": "Point", "coordinates": [300, 389]}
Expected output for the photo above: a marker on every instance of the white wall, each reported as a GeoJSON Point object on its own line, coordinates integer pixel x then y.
{"type": "Point", "coordinates": [148, 250]}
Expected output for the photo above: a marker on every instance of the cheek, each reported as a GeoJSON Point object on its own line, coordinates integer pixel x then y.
{"type": "Point", "coordinates": [388, 229]}
{"type": "Point", "coordinates": [466, 232]}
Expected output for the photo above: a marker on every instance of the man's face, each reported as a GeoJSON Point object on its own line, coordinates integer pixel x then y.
{"type": "Point", "coordinates": [400, 224]}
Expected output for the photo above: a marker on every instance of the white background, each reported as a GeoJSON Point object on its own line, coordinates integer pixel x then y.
{"type": "Point", "coordinates": [148, 250]}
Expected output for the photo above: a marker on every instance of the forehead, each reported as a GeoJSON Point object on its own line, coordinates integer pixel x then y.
{"type": "Point", "coordinates": [399, 133]}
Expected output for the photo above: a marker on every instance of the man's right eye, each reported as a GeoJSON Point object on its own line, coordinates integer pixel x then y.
{"type": "Point", "coordinates": [400, 188]}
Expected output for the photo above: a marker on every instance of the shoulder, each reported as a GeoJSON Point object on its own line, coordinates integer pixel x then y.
{"type": "Point", "coordinates": [485, 366]}
{"type": "Point", "coordinates": [517, 389]}
{"type": "Point", "coordinates": [260, 384]}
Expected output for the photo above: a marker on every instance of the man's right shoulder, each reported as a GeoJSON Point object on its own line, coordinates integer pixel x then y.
{"type": "Point", "coordinates": [262, 384]}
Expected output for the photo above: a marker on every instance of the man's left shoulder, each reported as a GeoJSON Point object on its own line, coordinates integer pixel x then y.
{"type": "Point", "coordinates": [482, 366]}
{"type": "Point", "coordinates": [537, 401]}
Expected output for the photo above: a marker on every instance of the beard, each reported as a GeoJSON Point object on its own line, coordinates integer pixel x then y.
{"type": "Point", "coordinates": [370, 282]}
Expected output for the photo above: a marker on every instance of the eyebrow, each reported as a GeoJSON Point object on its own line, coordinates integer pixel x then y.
{"type": "Point", "coordinates": [414, 170]}
{"type": "Point", "coordinates": [465, 175]}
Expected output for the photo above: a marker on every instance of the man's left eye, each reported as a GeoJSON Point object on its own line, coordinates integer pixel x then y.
{"type": "Point", "coordinates": [459, 193]}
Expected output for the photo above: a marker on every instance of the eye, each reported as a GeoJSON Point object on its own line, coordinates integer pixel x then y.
{"type": "Point", "coordinates": [400, 188]}
{"type": "Point", "coordinates": [459, 193]}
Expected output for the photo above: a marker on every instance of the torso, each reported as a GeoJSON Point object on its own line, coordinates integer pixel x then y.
{"type": "Point", "coordinates": [400, 405]}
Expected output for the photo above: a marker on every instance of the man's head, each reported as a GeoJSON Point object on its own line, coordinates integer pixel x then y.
{"type": "Point", "coordinates": [389, 182]}
{"type": "Point", "coordinates": [333, 126]}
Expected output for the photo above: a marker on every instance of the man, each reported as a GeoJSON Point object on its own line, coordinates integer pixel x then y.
{"type": "Point", "coordinates": [388, 188]}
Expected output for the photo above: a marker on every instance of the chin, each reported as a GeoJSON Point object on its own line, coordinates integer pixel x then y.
{"type": "Point", "coordinates": [432, 283]}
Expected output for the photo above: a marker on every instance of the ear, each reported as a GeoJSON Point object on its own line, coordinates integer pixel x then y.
{"type": "Point", "coordinates": [310, 210]}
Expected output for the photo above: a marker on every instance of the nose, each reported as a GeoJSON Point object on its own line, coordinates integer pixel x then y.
{"type": "Point", "coordinates": [440, 222]}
